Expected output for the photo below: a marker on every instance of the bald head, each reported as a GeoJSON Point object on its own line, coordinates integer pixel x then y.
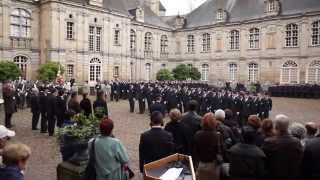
{"type": "Point", "coordinates": [281, 124]}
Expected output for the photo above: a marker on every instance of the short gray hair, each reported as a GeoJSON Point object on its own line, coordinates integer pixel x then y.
{"type": "Point", "coordinates": [298, 130]}
{"type": "Point", "coordinates": [220, 114]}
{"type": "Point", "coordinates": [281, 123]}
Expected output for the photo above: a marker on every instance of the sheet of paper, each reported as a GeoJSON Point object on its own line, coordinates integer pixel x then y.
{"type": "Point", "coordinates": [171, 174]}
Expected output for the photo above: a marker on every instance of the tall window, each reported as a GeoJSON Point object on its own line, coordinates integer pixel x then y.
{"type": "Point", "coordinates": [271, 6]}
{"type": "Point", "coordinates": [148, 72]}
{"type": "Point", "coordinates": [164, 45]}
{"type": "Point", "coordinates": [70, 30]}
{"type": "Point", "coordinates": [204, 72]}
{"type": "Point", "coordinates": [220, 15]}
{"type": "Point", "coordinates": [148, 44]}
{"type": "Point", "coordinates": [70, 71]}
{"type": "Point", "coordinates": [116, 72]}
{"type": "Point", "coordinates": [133, 42]}
{"type": "Point", "coordinates": [234, 40]}
{"type": "Point", "coordinates": [254, 38]}
{"type": "Point", "coordinates": [95, 70]}
{"type": "Point", "coordinates": [289, 72]}
{"type": "Point", "coordinates": [190, 44]}
{"type": "Point", "coordinates": [206, 42]}
{"type": "Point", "coordinates": [95, 34]}
{"type": "Point", "coordinates": [117, 37]}
{"type": "Point", "coordinates": [233, 71]}
{"type": "Point", "coordinates": [316, 33]}
{"type": "Point", "coordinates": [253, 72]}
{"type": "Point", "coordinates": [20, 23]}
{"type": "Point", "coordinates": [314, 72]}
{"type": "Point", "coordinates": [21, 62]}
{"type": "Point", "coordinates": [292, 35]}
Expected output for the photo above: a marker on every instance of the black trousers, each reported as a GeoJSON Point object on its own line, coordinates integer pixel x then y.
{"type": "Point", "coordinates": [60, 119]}
{"type": "Point", "coordinates": [131, 103]}
{"type": "Point", "coordinates": [44, 122]}
{"type": "Point", "coordinates": [35, 120]}
{"type": "Point", "coordinates": [51, 125]}
{"type": "Point", "coordinates": [142, 106]}
{"type": "Point", "coordinates": [7, 122]}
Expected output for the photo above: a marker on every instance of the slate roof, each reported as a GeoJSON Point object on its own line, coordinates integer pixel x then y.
{"type": "Point", "coordinates": [205, 14]}
{"type": "Point", "coordinates": [240, 10]}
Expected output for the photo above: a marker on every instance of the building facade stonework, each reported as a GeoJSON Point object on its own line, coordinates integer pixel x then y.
{"type": "Point", "coordinates": [271, 41]}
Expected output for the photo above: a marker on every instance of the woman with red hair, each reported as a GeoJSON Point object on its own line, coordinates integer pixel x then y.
{"type": "Point", "coordinates": [110, 155]}
{"type": "Point", "coordinates": [206, 148]}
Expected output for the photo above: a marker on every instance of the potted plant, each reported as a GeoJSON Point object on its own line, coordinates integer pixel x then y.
{"type": "Point", "coordinates": [74, 138]}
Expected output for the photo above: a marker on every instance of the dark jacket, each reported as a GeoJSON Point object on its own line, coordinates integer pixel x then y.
{"type": "Point", "coordinates": [246, 162]}
{"type": "Point", "coordinates": [9, 102]}
{"type": "Point", "coordinates": [180, 137]}
{"type": "Point", "coordinates": [43, 102]}
{"type": "Point", "coordinates": [206, 146]}
{"type": "Point", "coordinates": [154, 145]}
{"type": "Point", "coordinates": [74, 106]}
{"type": "Point", "coordinates": [192, 122]}
{"type": "Point", "coordinates": [10, 173]}
{"type": "Point", "coordinates": [61, 106]}
{"type": "Point", "coordinates": [284, 156]}
{"type": "Point", "coordinates": [51, 106]}
{"type": "Point", "coordinates": [85, 105]}
{"type": "Point", "coordinates": [311, 160]}
{"type": "Point", "coordinates": [100, 105]}
{"type": "Point", "coordinates": [35, 106]}
{"type": "Point", "coordinates": [157, 106]}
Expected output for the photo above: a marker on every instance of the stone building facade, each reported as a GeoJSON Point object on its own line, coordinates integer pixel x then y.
{"type": "Point", "coordinates": [275, 41]}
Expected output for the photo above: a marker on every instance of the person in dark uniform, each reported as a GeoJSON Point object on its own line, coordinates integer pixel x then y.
{"type": "Point", "coordinates": [61, 108]}
{"type": "Point", "coordinates": [100, 106]}
{"type": "Point", "coordinates": [131, 96]}
{"type": "Point", "coordinates": [141, 99]}
{"type": "Point", "coordinates": [43, 109]}
{"type": "Point", "coordinates": [85, 105]}
{"type": "Point", "coordinates": [74, 103]}
{"type": "Point", "coordinates": [158, 106]}
{"type": "Point", "coordinates": [9, 103]}
{"type": "Point", "coordinates": [35, 109]}
{"type": "Point", "coordinates": [51, 111]}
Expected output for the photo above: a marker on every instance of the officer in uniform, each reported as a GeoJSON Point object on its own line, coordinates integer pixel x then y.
{"type": "Point", "coordinates": [131, 96]}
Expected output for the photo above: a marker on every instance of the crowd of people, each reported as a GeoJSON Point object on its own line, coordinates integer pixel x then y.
{"type": "Point", "coordinates": [226, 131]}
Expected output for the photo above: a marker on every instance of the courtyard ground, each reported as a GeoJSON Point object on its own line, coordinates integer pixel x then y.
{"type": "Point", "coordinates": [128, 127]}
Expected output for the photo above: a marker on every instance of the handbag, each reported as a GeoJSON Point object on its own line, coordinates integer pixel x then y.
{"type": "Point", "coordinates": [90, 173]}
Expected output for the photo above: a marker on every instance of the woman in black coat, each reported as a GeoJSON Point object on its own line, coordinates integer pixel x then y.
{"type": "Point", "coordinates": [178, 131]}
{"type": "Point", "coordinates": [85, 105]}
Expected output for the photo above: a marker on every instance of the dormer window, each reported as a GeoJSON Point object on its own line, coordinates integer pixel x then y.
{"type": "Point", "coordinates": [221, 15]}
{"type": "Point", "coordinates": [271, 6]}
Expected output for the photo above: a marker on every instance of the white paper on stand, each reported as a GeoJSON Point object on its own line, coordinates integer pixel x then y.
{"type": "Point", "coordinates": [171, 174]}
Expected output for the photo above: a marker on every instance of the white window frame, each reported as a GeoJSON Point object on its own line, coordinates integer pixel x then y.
{"type": "Point", "coordinates": [20, 23]}
{"type": "Point", "coordinates": [70, 30]}
{"type": "Point", "coordinates": [289, 73]}
{"type": "Point", "coordinates": [271, 6]}
{"type": "Point", "coordinates": [22, 63]}
{"type": "Point", "coordinates": [117, 37]}
{"type": "Point", "coordinates": [235, 40]}
{"type": "Point", "coordinates": [148, 44]}
{"type": "Point", "coordinates": [95, 38]}
{"type": "Point", "coordinates": [292, 35]}
{"type": "Point", "coordinates": [95, 70]}
{"type": "Point", "coordinates": [254, 38]}
{"type": "Point", "coordinates": [206, 42]}
{"type": "Point", "coordinates": [204, 72]}
{"type": "Point", "coordinates": [70, 71]}
{"type": "Point", "coordinates": [164, 45]}
{"type": "Point", "coordinates": [253, 72]}
{"type": "Point", "coordinates": [233, 71]}
{"type": "Point", "coordinates": [190, 44]}
{"type": "Point", "coordinates": [313, 73]}
{"type": "Point", "coordinates": [315, 36]}
{"type": "Point", "coordinates": [148, 71]}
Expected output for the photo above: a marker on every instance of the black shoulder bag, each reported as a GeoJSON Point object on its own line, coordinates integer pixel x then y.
{"type": "Point", "coordinates": [90, 173]}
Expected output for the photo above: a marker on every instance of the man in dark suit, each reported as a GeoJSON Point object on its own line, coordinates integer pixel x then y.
{"type": "Point", "coordinates": [155, 143]}
{"type": "Point", "coordinates": [43, 109]}
{"type": "Point", "coordinates": [311, 160]}
{"type": "Point", "coordinates": [284, 152]}
{"type": "Point", "coordinates": [9, 103]}
{"type": "Point", "coordinates": [35, 109]}
{"type": "Point", "coordinates": [131, 96]}
{"type": "Point", "coordinates": [192, 122]}
{"type": "Point", "coordinates": [61, 108]}
{"type": "Point", "coordinates": [51, 111]}
{"type": "Point", "coordinates": [158, 106]}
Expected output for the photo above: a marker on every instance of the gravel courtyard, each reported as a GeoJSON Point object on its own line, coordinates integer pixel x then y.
{"type": "Point", "coordinates": [128, 127]}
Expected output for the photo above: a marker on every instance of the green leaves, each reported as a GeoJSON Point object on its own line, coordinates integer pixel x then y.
{"type": "Point", "coordinates": [9, 71]}
{"type": "Point", "coordinates": [164, 75]}
{"type": "Point", "coordinates": [184, 72]}
{"type": "Point", "coordinates": [49, 71]}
